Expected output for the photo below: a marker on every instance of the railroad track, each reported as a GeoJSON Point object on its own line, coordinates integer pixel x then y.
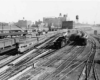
{"type": "Point", "coordinates": [67, 60]}
{"type": "Point", "coordinates": [3, 57]}
{"type": "Point", "coordinates": [96, 37]}
{"type": "Point", "coordinates": [46, 56]}
{"type": "Point", "coordinates": [95, 74]}
{"type": "Point", "coordinates": [16, 68]}
{"type": "Point", "coordinates": [7, 54]}
{"type": "Point", "coordinates": [75, 63]}
{"type": "Point", "coordinates": [64, 69]}
{"type": "Point", "coordinates": [19, 66]}
{"type": "Point", "coordinates": [56, 57]}
{"type": "Point", "coordinates": [85, 64]}
{"type": "Point", "coordinates": [47, 39]}
{"type": "Point", "coordinates": [15, 57]}
{"type": "Point", "coordinates": [85, 71]}
{"type": "Point", "coordinates": [69, 67]}
{"type": "Point", "coordinates": [71, 64]}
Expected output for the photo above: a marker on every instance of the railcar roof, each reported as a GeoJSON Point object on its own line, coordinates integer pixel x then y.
{"type": "Point", "coordinates": [15, 33]}
{"type": "Point", "coordinates": [6, 39]}
{"type": "Point", "coordinates": [27, 40]}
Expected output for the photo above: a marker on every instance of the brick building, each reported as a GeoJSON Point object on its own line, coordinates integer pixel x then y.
{"type": "Point", "coordinates": [56, 21]}
{"type": "Point", "coordinates": [24, 24]}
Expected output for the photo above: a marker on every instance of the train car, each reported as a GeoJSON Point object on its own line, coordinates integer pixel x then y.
{"type": "Point", "coordinates": [8, 41]}
{"type": "Point", "coordinates": [25, 45]}
{"type": "Point", "coordinates": [7, 45]}
{"type": "Point", "coordinates": [79, 38]}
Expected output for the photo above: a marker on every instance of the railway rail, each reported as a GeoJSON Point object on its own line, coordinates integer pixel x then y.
{"type": "Point", "coordinates": [44, 56]}
{"type": "Point", "coordinates": [95, 75]}
{"type": "Point", "coordinates": [95, 72]}
{"type": "Point", "coordinates": [14, 58]}
{"type": "Point", "coordinates": [88, 63]}
{"type": "Point", "coordinates": [52, 61]}
{"type": "Point", "coordinates": [85, 65]}
{"type": "Point", "coordinates": [64, 64]}
{"type": "Point", "coordinates": [58, 56]}
{"type": "Point", "coordinates": [71, 63]}
{"type": "Point", "coordinates": [3, 57]}
{"type": "Point", "coordinates": [21, 65]}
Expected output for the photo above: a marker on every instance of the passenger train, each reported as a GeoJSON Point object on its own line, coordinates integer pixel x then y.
{"type": "Point", "coordinates": [25, 45]}
{"type": "Point", "coordinates": [12, 43]}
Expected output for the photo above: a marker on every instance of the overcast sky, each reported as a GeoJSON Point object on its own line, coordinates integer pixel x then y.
{"type": "Point", "coordinates": [13, 10]}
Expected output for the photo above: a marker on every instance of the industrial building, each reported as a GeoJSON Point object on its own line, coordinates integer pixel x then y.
{"type": "Point", "coordinates": [54, 23]}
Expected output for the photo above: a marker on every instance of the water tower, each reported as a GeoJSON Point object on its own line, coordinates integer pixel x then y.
{"type": "Point", "coordinates": [77, 18]}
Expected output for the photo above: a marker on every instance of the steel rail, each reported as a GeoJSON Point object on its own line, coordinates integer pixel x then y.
{"type": "Point", "coordinates": [69, 71]}
{"type": "Point", "coordinates": [95, 72]}
{"type": "Point", "coordinates": [4, 76]}
{"type": "Point", "coordinates": [58, 57]}
{"type": "Point", "coordinates": [63, 65]}
{"type": "Point", "coordinates": [18, 57]}
{"type": "Point", "coordinates": [88, 64]}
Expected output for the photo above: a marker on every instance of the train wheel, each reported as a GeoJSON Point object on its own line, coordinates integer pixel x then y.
{"type": "Point", "coordinates": [63, 44]}
{"type": "Point", "coordinates": [84, 43]}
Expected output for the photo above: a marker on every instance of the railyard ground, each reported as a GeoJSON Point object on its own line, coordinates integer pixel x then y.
{"type": "Point", "coordinates": [34, 73]}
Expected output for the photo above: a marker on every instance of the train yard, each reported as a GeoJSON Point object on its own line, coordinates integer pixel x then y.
{"type": "Point", "coordinates": [71, 62]}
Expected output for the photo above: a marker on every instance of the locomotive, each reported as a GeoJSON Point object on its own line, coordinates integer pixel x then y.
{"type": "Point", "coordinates": [79, 38]}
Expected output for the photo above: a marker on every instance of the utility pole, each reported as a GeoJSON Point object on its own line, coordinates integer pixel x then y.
{"type": "Point", "coordinates": [94, 23]}
{"type": "Point", "coordinates": [2, 27]}
{"type": "Point", "coordinates": [10, 27]}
